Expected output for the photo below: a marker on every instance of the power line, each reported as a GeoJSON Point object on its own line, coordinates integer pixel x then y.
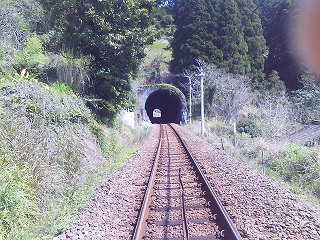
{"type": "Point", "coordinates": [251, 14]}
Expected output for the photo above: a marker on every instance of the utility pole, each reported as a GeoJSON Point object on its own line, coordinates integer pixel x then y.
{"type": "Point", "coordinates": [202, 101]}
{"type": "Point", "coordinates": [187, 74]}
{"type": "Point", "coordinates": [190, 93]}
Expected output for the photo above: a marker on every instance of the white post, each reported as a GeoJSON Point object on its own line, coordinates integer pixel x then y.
{"type": "Point", "coordinates": [234, 134]}
{"type": "Point", "coordinates": [202, 103]}
{"type": "Point", "coordinates": [190, 89]}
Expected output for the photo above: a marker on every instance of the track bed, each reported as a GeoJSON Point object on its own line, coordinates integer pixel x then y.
{"type": "Point", "coordinates": [179, 201]}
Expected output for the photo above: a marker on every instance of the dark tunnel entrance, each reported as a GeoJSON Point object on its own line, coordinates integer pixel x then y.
{"type": "Point", "coordinates": [168, 103]}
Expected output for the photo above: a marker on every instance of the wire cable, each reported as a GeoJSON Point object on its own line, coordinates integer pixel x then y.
{"type": "Point", "coordinates": [251, 14]}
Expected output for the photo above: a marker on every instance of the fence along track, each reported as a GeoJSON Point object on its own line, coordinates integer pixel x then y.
{"type": "Point", "coordinates": [179, 202]}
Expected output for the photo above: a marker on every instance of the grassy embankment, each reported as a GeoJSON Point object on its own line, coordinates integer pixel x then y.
{"type": "Point", "coordinates": [52, 155]}
{"type": "Point", "coordinates": [297, 168]}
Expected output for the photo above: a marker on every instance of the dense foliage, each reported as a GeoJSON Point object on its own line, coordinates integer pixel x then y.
{"type": "Point", "coordinates": [299, 165]}
{"type": "Point", "coordinates": [19, 20]}
{"type": "Point", "coordinates": [275, 17]}
{"type": "Point", "coordinates": [113, 33]}
{"type": "Point", "coordinates": [253, 36]}
{"type": "Point", "coordinates": [226, 33]}
{"type": "Point", "coordinates": [98, 44]}
{"type": "Point", "coordinates": [243, 37]}
{"type": "Point", "coordinates": [306, 101]}
{"type": "Point", "coordinates": [195, 34]}
{"type": "Point", "coordinates": [96, 47]}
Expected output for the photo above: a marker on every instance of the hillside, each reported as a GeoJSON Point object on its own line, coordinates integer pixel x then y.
{"type": "Point", "coordinates": [53, 153]}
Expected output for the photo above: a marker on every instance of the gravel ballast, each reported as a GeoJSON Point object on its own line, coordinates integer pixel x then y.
{"type": "Point", "coordinates": [259, 207]}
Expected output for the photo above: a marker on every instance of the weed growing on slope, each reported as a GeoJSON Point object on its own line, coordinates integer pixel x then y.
{"type": "Point", "coordinates": [17, 195]}
{"type": "Point", "coordinates": [118, 145]}
{"type": "Point", "coordinates": [40, 162]}
{"type": "Point", "coordinates": [295, 167]}
{"type": "Point", "coordinates": [61, 88]}
{"type": "Point", "coordinates": [50, 157]}
{"type": "Point", "coordinates": [299, 165]}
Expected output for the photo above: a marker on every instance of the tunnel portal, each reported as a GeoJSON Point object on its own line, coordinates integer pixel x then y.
{"type": "Point", "coordinates": [168, 103]}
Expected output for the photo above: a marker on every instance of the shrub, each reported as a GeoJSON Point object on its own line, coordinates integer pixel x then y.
{"type": "Point", "coordinates": [39, 155]}
{"type": "Point", "coordinates": [62, 88]}
{"type": "Point", "coordinates": [32, 56]}
{"type": "Point", "coordinates": [97, 131]}
{"type": "Point", "coordinates": [248, 126]}
{"type": "Point", "coordinates": [306, 101]}
{"type": "Point", "coordinates": [300, 165]}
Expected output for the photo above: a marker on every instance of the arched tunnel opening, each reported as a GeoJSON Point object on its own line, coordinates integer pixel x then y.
{"type": "Point", "coordinates": [168, 103]}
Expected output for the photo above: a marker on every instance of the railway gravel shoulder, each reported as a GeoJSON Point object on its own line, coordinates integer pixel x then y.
{"type": "Point", "coordinates": [259, 207]}
{"type": "Point", "coordinates": [111, 213]}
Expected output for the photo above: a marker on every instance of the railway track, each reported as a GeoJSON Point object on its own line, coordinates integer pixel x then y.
{"type": "Point", "coordinates": [260, 208]}
{"type": "Point", "coordinates": [179, 202]}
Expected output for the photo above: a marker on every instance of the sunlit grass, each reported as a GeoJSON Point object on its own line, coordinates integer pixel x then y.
{"type": "Point", "coordinates": [294, 167]}
{"type": "Point", "coordinates": [159, 48]}
{"type": "Point", "coordinates": [43, 182]}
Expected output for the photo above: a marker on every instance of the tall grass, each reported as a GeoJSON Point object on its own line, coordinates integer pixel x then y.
{"type": "Point", "coordinates": [17, 197]}
{"type": "Point", "coordinates": [46, 174]}
{"type": "Point", "coordinates": [38, 165]}
{"type": "Point", "coordinates": [295, 167]}
{"type": "Point", "coordinates": [44, 179]}
{"type": "Point", "coordinates": [299, 166]}
{"type": "Point", "coordinates": [117, 143]}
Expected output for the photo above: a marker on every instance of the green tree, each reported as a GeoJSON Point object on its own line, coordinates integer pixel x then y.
{"type": "Point", "coordinates": [275, 15]}
{"type": "Point", "coordinates": [196, 33]}
{"type": "Point", "coordinates": [19, 20]}
{"type": "Point", "coordinates": [306, 101]}
{"type": "Point", "coordinates": [32, 56]}
{"type": "Point", "coordinates": [113, 32]}
{"type": "Point", "coordinates": [274, 83]}
{"type": "Point", "coordinates": [216, 31]}
{"type": "Point", "coordinates": [235, 59]}
{"type": "Point", "coordinates": [253, 36]}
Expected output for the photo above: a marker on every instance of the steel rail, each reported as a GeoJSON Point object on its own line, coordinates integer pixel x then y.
{"type": "Point", "coordinates": [141, 226]}
{"type": "Point", "coordinates": [183, 209]}
{"type": "Point", "coordinates": [231, 232]}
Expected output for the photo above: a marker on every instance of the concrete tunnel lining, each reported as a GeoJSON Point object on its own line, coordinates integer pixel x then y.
{"type": "Point", "coordinates": [169, 103]}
